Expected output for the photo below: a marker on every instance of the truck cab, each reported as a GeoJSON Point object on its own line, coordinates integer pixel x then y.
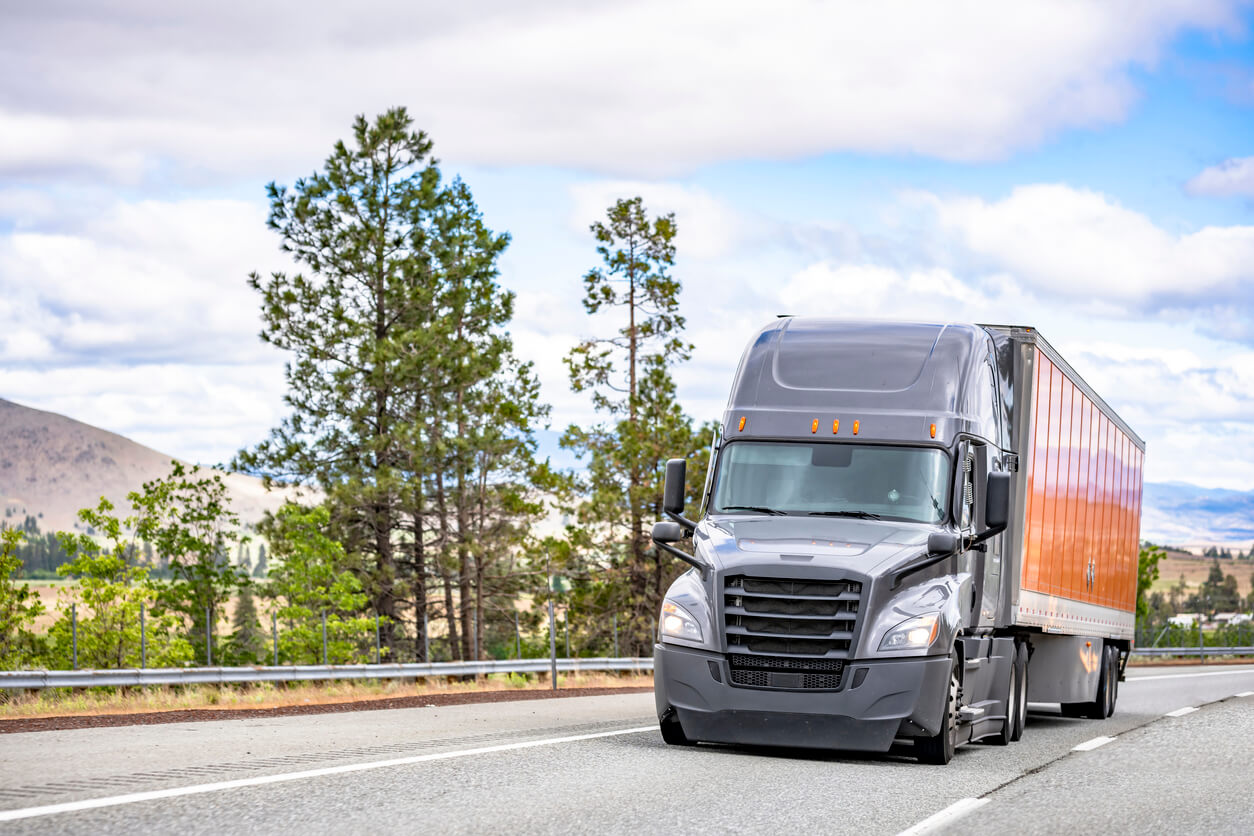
{"type": "Point", "coordinates": [849, 583]}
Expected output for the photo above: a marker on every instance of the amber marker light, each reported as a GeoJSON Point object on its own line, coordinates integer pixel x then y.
{"type": "Point", "coordinates": [742, 423]}
{"type": "Point", "coordinates": [933, 431]}
{"type": "Point", "coordinates": [835, 426]}
{"type": "Point", "coordinates": [856, 424]}
{"type": "Point", "coordinates": [814, 425]}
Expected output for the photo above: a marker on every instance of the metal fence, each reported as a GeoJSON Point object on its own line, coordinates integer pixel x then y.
{"type": "Point", "coordinates": [1192, 652]}
{"type": "Point", "coordinates": [295, 673]}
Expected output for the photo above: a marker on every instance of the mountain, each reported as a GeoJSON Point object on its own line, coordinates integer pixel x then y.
{"type": "Point", "coordinates": [1186, 515]}
{"type": "Point", "coordinates": [53, 465]}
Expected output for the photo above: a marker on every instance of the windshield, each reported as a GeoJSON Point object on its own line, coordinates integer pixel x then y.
{"type": "Point", "coordinates": [857, 480]}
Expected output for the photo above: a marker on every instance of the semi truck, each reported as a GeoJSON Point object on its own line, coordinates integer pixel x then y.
{"type": "Point", "coordinates": [907, 532]}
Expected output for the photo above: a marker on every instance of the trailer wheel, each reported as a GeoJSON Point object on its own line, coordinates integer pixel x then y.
{"type": "Point", "coordinates": [939, 748]}
{"type": "Point", "coordinates": [1021, 665]}
{"type": "Point", "coordinates": [672, 732]}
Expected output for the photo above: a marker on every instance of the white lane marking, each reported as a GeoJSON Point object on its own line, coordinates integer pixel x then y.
{"type": "Point", "coordinates": [197, 789]}
{"type": "Point", "coordinates": [949, 815]}
{"type": "Point", "coordinates": [1190, 675]}
{"type": "Point", "coordinates": [1246, 694]}
{"type": "Point", "coordinates": [1180, 712]}
{"type": "Point", "coordinates": [1090, 745]}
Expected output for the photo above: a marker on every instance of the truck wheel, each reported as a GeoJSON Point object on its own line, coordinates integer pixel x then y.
{"type": "Point", "coordinates": [672, 732]}
{"type": "Point", "coordinates": [1021, 665]}
{"type": "Point", "coordinates": [1102, 706]}
{"type": "Point", "coordinates": [939, 748]}
{"type": "Point", "coordinates": [1007, 733]}
{"type": "Point", "coordinates": [1112, 689]}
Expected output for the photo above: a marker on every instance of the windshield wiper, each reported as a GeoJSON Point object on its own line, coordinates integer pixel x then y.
{"type": "Point", "coordinates": [757, 508]}
{"type": "Point", "coordinates": [861, 515]}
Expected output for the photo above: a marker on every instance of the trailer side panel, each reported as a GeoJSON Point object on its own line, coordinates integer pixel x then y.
{"type": "Point", "coordinates": [1082, 516]}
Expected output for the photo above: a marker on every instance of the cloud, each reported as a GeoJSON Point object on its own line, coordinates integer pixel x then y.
{"type": "Point", "coordinates": [638, 88]}
{"type": "Point", "coordinates": [1082, 246]}
{"type": "Point", "coordinates": [150, 281]}
{"type": "Point", "coordinates": [1234, 177]}
{"type": "Point", "coordinates": [707, 226]}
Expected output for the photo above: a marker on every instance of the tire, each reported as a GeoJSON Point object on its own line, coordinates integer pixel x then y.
{"type": "Point", "coordinates": [1021, 664]}
{"type": "Point", "coordinates": [672, 732]}
{"type": "Point", "coordinates": [1102, 706]}
{"type": "Point", "coordinates": [939, 748]}
{"type": "Point", "coordinates": [1112, 688]}
{"type": "Point", "coordinates": [1007, 733]}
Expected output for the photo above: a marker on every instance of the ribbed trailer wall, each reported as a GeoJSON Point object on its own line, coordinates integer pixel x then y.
{"type": "Point", "coordinates": [1082, 511]}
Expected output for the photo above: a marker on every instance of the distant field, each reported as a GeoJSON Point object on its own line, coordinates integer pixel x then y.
{"type": "Point", "coordinates": [1195, 570]}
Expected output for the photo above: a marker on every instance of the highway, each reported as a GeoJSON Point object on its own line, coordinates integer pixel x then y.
{"type": "Point", "coordinates": [598, 764]}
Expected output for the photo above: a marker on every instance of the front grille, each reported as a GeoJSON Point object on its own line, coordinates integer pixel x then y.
{"type": "Point", "coordinates": [781, 672]}
{"type": "Point", "coordinates": [777, 616]}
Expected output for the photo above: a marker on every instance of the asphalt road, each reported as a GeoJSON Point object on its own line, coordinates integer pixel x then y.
{"type": "Point", "coordinates": [598, 764]}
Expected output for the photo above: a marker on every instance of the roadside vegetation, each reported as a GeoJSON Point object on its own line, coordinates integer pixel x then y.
{"type": "Point", "coordinates": [441, 534]}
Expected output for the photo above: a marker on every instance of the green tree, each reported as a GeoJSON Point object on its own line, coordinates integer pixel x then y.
{"type": "Point", "coordinates": [310, 574]}
{"type": "Point", "coordinates": [247, 642]}
{"type": "Point", "coordinates": [628, 377]}
{"type": "Point", "coordinates": [107, 600]}
{"type": "Point", "coordinates": [396, 333]}
{"type": "Point", "coordinates": [19, 607]}
{"type": "Point", "coordinates": [186, 516]}
{"type": "Point", "coordinates": [1146, 574]}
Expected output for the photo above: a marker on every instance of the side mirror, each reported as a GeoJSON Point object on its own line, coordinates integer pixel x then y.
{"type": "Point", "coordinates": [673, 491]}
{"type": "Point", "coordinates": [668, 532]}
{"type": "Point", "coordinates": [997, 501]}
{"type": "Point", "coordinates": [942, 542]}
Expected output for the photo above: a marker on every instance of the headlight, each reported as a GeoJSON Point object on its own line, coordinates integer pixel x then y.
{"type": "Point", "coordinates": [678, 624]}
{"type": "Point", "coordinates": [912, 634]}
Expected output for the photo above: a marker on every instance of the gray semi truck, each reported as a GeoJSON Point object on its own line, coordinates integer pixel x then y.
{"type": "Point", "coordinates": [908, 531]}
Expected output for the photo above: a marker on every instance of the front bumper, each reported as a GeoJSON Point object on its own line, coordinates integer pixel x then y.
{"type": "Point", "coordinates": [894, 697]}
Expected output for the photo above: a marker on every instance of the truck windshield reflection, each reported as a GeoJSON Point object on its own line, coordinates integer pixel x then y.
{"type": "Point", "coordinates": [856, 480]}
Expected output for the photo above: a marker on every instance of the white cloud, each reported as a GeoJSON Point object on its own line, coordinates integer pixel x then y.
{"type": "Point", "coordinates": [1082, 245]}
{"type": "Point", "coordinates": [643, 87]}
{"type": "Point", "coordinates": [140, 321]}
{"type": "Point", "coordinates": [148, 280]}
{"type": "Point", "coordinates": [1231, 177]}
{"type": "Point", "coordinates": [707, 226]}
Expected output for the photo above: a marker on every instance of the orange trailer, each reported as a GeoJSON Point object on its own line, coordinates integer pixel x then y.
{"type": "Point", "coordinates": [1078, 496]}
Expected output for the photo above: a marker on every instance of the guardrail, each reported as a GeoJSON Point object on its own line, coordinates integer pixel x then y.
{"type": "Point", "coordinates": [292, 673]}
{"type": "Point", "coordinates": [1193, 651]}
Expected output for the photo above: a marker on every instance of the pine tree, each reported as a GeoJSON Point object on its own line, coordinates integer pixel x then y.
{"type": "Point", "coordinates": [628, 377]}
{"type": "Point", "coordinates": [396, 332]}
{"type": "Point", "coordinates": [247, 642]}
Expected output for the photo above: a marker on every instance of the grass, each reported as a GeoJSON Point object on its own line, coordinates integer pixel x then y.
{"type": "Point", "coordinates": [60, 702]}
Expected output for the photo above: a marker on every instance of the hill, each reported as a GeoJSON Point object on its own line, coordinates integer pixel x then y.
{"type": "Point", "coordinates": [1187, 515]}
{"type": "Point", "coordinates": [51, 465]}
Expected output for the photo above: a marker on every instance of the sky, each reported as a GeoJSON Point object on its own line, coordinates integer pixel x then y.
{"type": "Point", "coordinates": [1086, 168]}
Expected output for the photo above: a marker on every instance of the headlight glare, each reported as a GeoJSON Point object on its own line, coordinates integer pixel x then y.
{"type": "Point", "coordinates": [679, 624]}
{"type": "Point", "coordinates": [916, 633]}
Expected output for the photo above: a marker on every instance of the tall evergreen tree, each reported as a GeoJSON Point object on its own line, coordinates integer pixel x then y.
{"type": "Point", "coordinates": [628, 376]}
{"type": "Point", "coordinates": [394, 329]}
